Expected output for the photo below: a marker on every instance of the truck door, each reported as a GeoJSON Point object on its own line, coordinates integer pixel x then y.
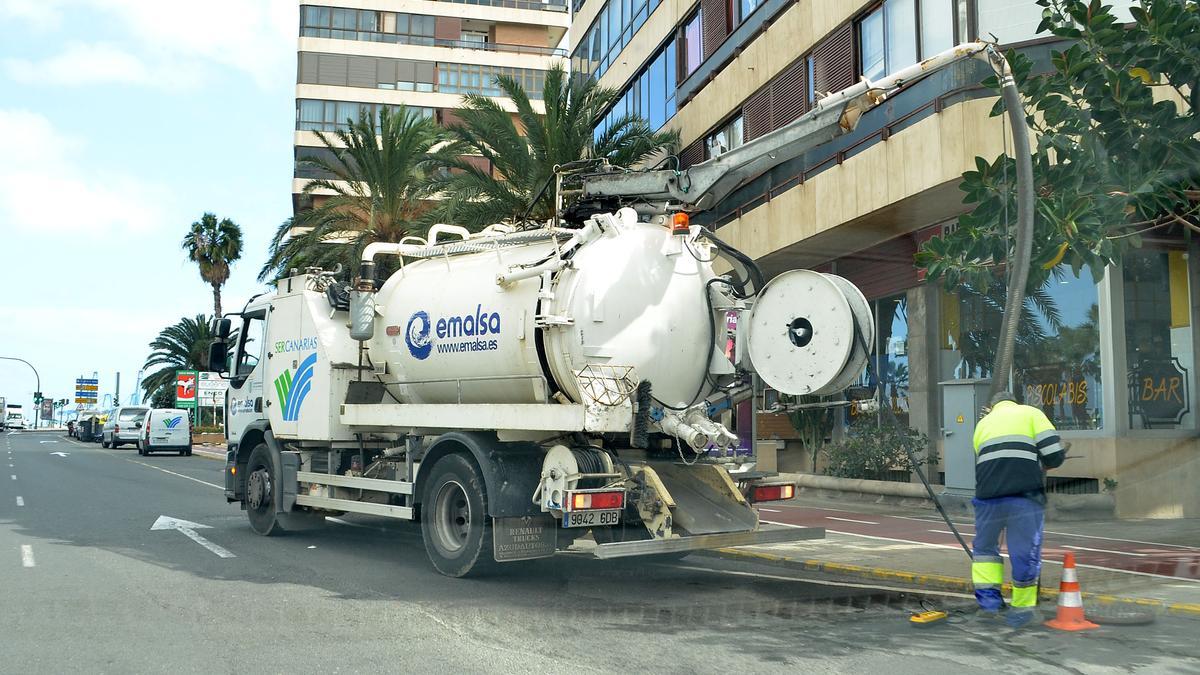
{"type": "Point", "coordinates": [245, 396]}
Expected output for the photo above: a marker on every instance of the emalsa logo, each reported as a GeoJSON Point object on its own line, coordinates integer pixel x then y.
{"type": "Point", "coordinates": [454, 334]}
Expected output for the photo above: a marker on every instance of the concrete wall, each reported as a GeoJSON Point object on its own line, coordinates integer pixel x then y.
{"type": "Point", "coordinates": [520, 34]}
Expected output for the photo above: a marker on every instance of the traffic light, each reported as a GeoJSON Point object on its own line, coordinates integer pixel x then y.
{"type": "Point", "coordinates": [37, 397]}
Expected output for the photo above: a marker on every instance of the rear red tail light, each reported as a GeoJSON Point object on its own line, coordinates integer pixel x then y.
{"type": "Point", "coordinates": [586, 501]}
{"type": "Point", "coordinates": [772, 493]}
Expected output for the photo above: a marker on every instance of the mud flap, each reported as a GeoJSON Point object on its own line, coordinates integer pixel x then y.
{"type": "Point", "coordinates": [524, 537]}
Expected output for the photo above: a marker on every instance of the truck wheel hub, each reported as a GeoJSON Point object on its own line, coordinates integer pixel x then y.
{"type": "Point", "coordinates": [258, 489]}
{"type": "Point", "coordinates": [452, 516]}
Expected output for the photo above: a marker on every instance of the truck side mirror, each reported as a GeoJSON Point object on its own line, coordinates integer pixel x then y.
{"type": "Point", "coordinates": [221, 328]}
{"type": "Point", "coordinates": [218, 352]}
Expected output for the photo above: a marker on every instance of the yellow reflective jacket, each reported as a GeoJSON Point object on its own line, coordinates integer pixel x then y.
{"type": "Point", "coordinates": [1012, 444]}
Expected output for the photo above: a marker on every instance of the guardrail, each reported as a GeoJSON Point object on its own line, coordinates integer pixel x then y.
{"type": "Point", "coordinates": [517, 4]}
{"type": "Point", "coordinates": [427, 41]}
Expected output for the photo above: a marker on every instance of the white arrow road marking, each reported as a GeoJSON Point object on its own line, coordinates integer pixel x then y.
{"type": "Point", "coordinates": [60, 453]}
{"type": "Point", "coordinates": [47, 441]}
{"type": "Point", "coordinates": [20, 501]}
{"type": "Point", "coordinates": [189, 528]}
{"type": "Point", "coordinates": [27, 555]}
{"type": "Point", "coordinates": [14, 476]}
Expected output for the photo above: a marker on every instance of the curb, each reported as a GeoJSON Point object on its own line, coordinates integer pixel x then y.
{"type": "Point", "coordinates": [939, 581]}
{"type": "Point", "coordinates": [209, 454]}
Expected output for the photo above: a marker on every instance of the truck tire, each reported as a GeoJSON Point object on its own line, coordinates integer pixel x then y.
{"type": "Point", "coordinates": [261, 483]}
{"type": "Point", "coordinates": [454, 521]}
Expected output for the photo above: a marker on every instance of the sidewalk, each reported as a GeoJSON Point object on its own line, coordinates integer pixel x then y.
{"type": "Point", "coordinates": [911, 546]}
{"type": "Point", "coordinates": [210, 451]}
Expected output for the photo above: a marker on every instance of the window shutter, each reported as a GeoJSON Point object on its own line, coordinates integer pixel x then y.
{"type": "Point", "coordinates": [385, 73]}
{"type": "Point", "coordinates": [692, 154]}
{"type": "Point", "coordinates": [425, 72]}
{"type": "Point", "coordinates": [756, 114]}
{"type": "Point", "coordinates": [307, 68]}
{"type": "Point", "coordinates": [331, 69]}
{"type": "Point", "coordinates": [361, 71]}
{"type": "Point", "coordinates": [789, 94]}
{"type": "Point", "coordinates": [447, 28]}
{"type": "Point", "coordinates": [833, 61]}
{"type": "Point", "coordinates": [715, 29]}
{"type": "Point", "coordinates": [406, 71]}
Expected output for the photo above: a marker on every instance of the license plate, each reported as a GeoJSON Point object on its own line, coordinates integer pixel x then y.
{"type": "Point", "coordinates": [592, 518]}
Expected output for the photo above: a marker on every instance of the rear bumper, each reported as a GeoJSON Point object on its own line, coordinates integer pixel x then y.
{"type": "Point", "coordinates": [779, 535]}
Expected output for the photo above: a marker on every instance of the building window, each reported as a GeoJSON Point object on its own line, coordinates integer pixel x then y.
{"type": "Point", "coordinates": [1056, 360]}
{"type": "Point", "coordinates": [1158, 339]}
{"type": "Point", "coordinates": [725, 139]}
{"type": "Point", "coordinates": [691, 47]}
{"type": "Point", "coordinates": [615, 25]}
{"type": "Point", "coordinates": [315, 115]}
{"type": "Point", "coordinates": [887, 36]}
{"type": "Point", "coordinates": [745, 9]}
{"type": "Point", "coordinates": [366, 25]}
{"type": "Point", "coordinates": [463, 78]}
{"type": "Point", "coordinates": [650, 95]}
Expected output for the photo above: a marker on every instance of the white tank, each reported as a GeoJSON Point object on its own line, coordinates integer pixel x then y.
{"type": "Point", "coordinates": [633, 296]}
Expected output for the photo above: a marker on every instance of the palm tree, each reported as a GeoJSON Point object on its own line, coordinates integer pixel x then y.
{"type": "Point", "coordinates": [523, 153]}
{"type": "Point", "coordinates": [377, 177]}
{"type": "Point", "coordinates": [180, 346]}
{"type": "Point", "coordinates": [214, 245]}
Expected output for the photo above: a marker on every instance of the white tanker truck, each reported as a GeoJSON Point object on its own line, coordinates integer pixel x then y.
{"type": "Point", "coordinates": [516, 390]}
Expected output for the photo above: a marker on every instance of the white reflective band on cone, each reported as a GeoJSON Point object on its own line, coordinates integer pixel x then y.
{"type": "Point", "coordinates": [1070, 599]}
{"type": "Point", "coordinates": [1068, 575]}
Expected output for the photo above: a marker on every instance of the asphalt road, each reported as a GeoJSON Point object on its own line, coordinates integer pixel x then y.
{"type": "Point", "coordinates": [86, 585]}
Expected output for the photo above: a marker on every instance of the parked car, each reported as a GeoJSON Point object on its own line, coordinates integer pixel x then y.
{"type": "Point", "coordinates": [15, 421]}
{"type": "Point", "coordinates": [166, 430]}
{"type": "Point", "coordinates": [124, 425]}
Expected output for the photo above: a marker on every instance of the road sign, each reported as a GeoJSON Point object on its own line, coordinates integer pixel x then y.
{"type": "Point", "coordinates": [87, 390]}
{"type": "Point", "coordinates": [47, 409]}
{"type": "Point", "coordinates": [185, 388]}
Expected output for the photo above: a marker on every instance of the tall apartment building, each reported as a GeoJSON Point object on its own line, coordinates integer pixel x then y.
{"type": "Point", "coordinates": [1115, 365]}
{"type": "Point", "coordinates": [357, 55]}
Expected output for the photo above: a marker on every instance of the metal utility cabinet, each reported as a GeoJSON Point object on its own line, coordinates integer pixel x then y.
{"type": "Point", "coordinates": [961, 402]}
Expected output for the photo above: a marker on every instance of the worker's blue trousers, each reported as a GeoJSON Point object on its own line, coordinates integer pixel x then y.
{"type": "Point", "coordinates": [1023, 519]}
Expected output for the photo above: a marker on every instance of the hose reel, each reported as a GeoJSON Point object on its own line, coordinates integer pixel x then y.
{"type": "Point", "coordinates": [810, 333]}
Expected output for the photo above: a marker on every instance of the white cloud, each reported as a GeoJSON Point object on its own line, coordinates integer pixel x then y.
{"type": "Point", "coordinates": [41, 14]}
{"type": "Point", "coordinates": [44, 188]}
{"type": "Point", "coordinates": [81, 64]}
{"type": "Point", "coordinates": [257, 38]}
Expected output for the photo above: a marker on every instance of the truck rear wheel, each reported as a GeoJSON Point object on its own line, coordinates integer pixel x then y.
{"type": "Point", "coordinates": [454, 522]}
{"type": "Point", "coordinates": [261, 483]}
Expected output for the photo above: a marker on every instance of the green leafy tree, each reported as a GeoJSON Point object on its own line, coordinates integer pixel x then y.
{"type": "Point", "coordinates": [524, 152]}
{"type": "Point", "coordinates": [214, 245]}
{"type": "Point", "coordinates": [180, 346]}
{"type": "Point", "coordinates": [1117, 150]}
{"type": "Point", "coordinates": [377, 186]}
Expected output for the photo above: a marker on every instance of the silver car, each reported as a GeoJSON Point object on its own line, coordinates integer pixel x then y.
{"type": "Point", "coordinates": [124, 425]}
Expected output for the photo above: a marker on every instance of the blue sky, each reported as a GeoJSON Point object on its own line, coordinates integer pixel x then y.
{"type": "Point", "coordinates": [121, 122]}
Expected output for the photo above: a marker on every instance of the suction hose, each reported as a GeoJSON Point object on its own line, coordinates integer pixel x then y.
{"type": "Point", "coordinates": [1023, 246]}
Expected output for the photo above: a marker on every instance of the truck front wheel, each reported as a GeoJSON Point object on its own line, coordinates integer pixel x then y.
{"type": "Point", "coordinates": [454, 522]}
{"type": "Point", "coordinates": [261, 483]}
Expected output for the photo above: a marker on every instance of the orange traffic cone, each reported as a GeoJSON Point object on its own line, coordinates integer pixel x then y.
{"type": "Point", "coordinates": [1070, 603]}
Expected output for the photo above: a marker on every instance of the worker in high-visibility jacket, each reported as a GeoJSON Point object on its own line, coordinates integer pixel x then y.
{"type": "Point", "coordinates": [1014, 444]}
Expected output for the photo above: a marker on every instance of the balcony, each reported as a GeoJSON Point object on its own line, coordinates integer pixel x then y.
{"type": "Point", "coordinates": [428, 41]}
{"type": "Point", "coordinates": [551, 6]}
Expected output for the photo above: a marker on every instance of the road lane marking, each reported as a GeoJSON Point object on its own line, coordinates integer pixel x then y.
{"type": "Point", "coordinates": [768, 510]}
{"type": "Point", "coordinates": [20, 501]}
{"type": "Point", "coordinates": [1102, 550]}
{"type": "Point", "coordinates": [851, 520]}
{"type": "Point", "coordinates": [27, 556]}
{"type": "Point", "coordinates": [14, 476]}
{"type": "Point", "coordinates": [189, 528]}
{"type": "Point", "coordinates": [157, 468]}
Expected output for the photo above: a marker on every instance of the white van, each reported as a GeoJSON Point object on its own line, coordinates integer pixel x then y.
{"type": "Point", "coordinates": [124, 425]}
{"type": "Point", "coordinates": [166, 430]}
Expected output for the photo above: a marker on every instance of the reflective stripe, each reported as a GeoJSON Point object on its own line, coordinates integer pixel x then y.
{"type": "Point", "coordinates": [1011, 438]}
{"type": "Point", "coordinates": [985, 574]}
{"type": "Point", "coordinates": [988, 559]}
{"type": "Point", "coordinates": [1050, 449]}
{"type": "Point", "coordinates": [1066, 600]}
{"type": "Point", "coordinates": [1010, 454]}
{"type": "Point", "coordinates": [1024, 596]}
{"type": "Point", "coordinates": [1043, 435]}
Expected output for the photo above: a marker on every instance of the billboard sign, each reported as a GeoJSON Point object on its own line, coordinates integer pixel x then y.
{"type": "Point", "coordinates": [210, 389]}
{"type": "Point", "coordinates": [185, 388]}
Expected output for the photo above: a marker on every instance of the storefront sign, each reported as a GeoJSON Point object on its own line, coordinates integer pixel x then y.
{"type": "Point", "coordinates": [1159, 390]}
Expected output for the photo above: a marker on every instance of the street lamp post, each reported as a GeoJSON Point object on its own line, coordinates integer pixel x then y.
{"type": "Point", "coordinates": [39, 384]}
